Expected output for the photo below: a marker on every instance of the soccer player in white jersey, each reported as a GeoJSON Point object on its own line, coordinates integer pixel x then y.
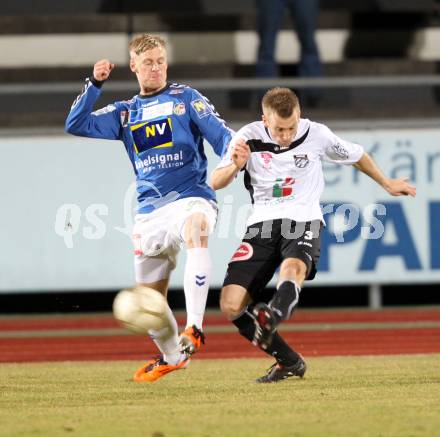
{"type": "Point", "coordinates": [281, 156]}
{"type": "Point", "coordinates": [162, 128]}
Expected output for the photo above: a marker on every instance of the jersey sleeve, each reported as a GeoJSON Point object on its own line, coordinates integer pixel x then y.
{"type": "Point", "coordinates": [339, 151]}
{"type": "Point", "coordinates": [83, 121]}
{"type": "Point", "coordinates": [207, 119]}
{"type": "Point", "coordinates": [226, 160]}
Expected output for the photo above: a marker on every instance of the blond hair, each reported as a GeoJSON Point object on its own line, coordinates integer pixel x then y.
{"type": "Point", "coordinates": [282, 101]}
{"type": "Point", "coordinates": [141, 43]}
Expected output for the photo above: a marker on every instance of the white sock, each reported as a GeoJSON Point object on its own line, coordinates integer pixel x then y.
{"type": "Point", "coordinates": [196, 284]}
{"type": "Point", "coordinates": [167, 340]}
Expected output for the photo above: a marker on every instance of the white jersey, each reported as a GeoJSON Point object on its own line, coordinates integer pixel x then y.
{"type": "Point", "coordinates": [287, 182]}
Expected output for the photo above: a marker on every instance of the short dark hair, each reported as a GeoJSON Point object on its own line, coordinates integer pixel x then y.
{"type": "Point", "coordinates": [283, 101]}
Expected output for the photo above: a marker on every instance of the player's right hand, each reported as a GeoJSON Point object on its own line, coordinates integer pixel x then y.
{"type": "Point", "coordinates": [102, 69]}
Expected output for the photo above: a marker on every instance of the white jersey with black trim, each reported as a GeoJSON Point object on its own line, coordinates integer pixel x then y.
{"type": "Point", "coordinates": [287, 182]}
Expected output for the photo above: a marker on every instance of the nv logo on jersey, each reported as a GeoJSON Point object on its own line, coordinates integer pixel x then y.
{"type": "Point", "coordinates": [152, 135]}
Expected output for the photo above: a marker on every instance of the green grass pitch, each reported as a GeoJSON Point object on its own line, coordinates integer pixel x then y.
{"type": "Point", "coordinates": [340, 396]}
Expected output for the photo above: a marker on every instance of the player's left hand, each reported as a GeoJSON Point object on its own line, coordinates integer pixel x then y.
{"type": "Point", "coordinates": [400, 187]}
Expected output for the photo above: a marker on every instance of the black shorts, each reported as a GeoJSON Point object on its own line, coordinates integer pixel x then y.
{"type": "Point", "coordinates": [266, 245]}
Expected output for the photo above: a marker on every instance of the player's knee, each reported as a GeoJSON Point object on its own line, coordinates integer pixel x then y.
{"type": "Point", "coordinates": [197, 230]}
{"type": "Point", "coordinates": [229, 305]}
{"type": "Point", "coordinates": [293, 268]}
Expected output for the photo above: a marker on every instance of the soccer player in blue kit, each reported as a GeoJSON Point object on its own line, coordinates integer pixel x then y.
{"type": "Point", "coordinates": [162, 128]}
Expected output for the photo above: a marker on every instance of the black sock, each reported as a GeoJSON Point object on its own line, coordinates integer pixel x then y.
{"type": "Point", "coordinates": [281, 351]}
{"type": "Point", "coordinates": [246, 325]}
{"type": "Point", "coordinates": [284, 300]}
{"type": "Point", "coordinates": [278, 349]}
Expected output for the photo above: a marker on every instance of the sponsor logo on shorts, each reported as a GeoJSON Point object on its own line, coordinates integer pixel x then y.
{"type": "Point", "coordinates": [244, 252]}
{"type": "Point", "coordinates": [301, 161]}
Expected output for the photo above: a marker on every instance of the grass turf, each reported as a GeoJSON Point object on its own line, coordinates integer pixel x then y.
{"type": "Point", "coordinates": [340, 396]}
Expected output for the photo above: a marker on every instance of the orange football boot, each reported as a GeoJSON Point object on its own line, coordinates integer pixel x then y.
{"type": "Point", "coordinates": [191, 339]}
{"type": "Point", "coordinates": [156, 368]}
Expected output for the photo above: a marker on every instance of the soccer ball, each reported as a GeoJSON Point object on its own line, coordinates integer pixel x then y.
{"type": "Point", "coordinates": [140, 309]}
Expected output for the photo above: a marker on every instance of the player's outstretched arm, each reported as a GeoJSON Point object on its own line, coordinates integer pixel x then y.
{"type": "Point", "coordinates": [223, 176]}
{"type": "Point", "coordinates": [395, 187]}
{"type": "Point", "coordinates": [82, 121]}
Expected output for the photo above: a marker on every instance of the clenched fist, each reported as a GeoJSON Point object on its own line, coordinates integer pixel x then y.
{"type": "Point", "coordinates": [240, 153]}
{"type": "Point", "coordinates": [102, 69]}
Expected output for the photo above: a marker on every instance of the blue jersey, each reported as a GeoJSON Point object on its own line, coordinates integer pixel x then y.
{"type": "Point", "coordinates": [163, 136]}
